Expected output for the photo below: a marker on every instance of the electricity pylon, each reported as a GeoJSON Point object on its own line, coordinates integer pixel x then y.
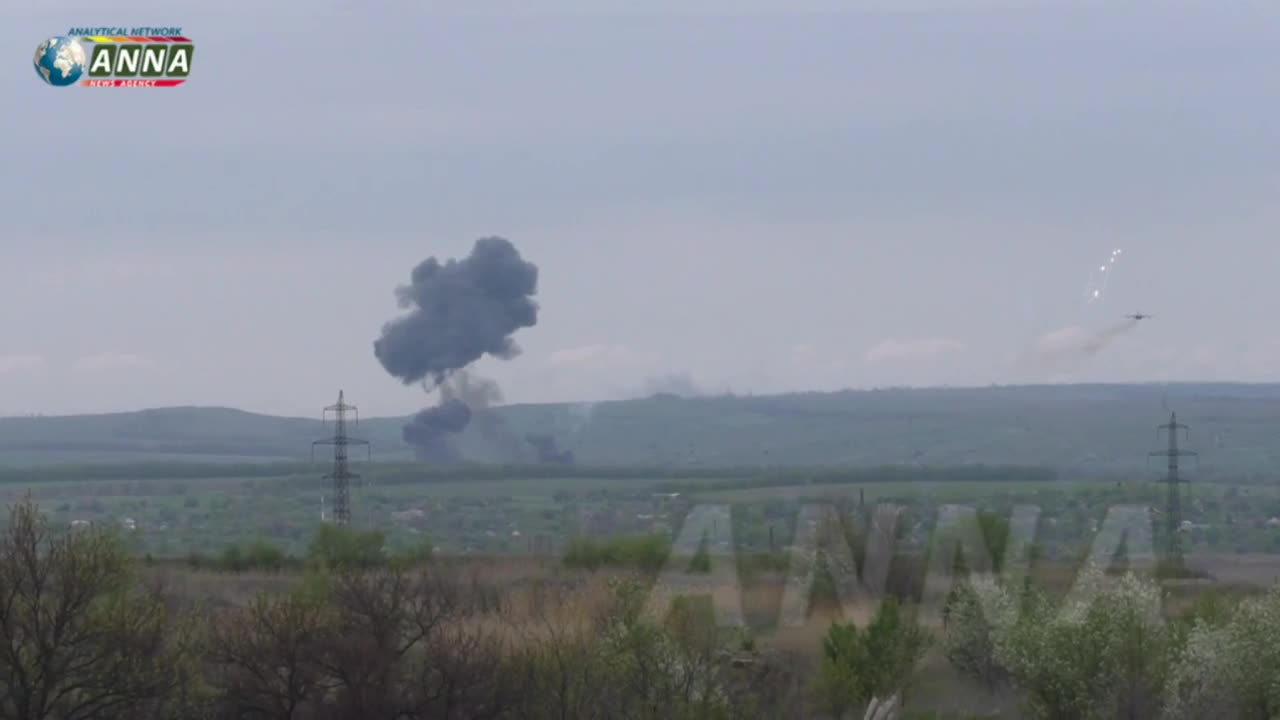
{"type": "Point", "coordinates": [341, 474]}
{"type": "Point", "coordinates": [1173, 503]}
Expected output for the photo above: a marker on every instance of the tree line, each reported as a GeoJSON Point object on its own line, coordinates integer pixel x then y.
{"type": "Point", "coordinates": [405, 473]}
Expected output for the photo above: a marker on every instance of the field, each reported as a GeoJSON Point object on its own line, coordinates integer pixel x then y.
{"type": "Point", "coordinates": [522, 586]}
{"type": "Point", "coordinates": [516, 511]}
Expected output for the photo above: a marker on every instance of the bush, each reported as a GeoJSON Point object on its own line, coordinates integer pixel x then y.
{"type": "Point", "coordinates": [260, 555]}
{"type": "Point", "coordinates": [417, 555]}
{"type": "Point", "coordinates": [1230, 666]}
{"type": "Point", "coordinates": [232, 559]}
{"type": "Point", "coordinates": [257, 555]}
{"type": "Point", "coordinates": [1100, 656]}
{"type": "Point", "coordinates": [877, 662]}
{"type": "Point", "coordinates": [341, 548]}
{"type": "Point", "coordinates": [970, 617]}
{"type": "Point", "coordinates": [646, 553]}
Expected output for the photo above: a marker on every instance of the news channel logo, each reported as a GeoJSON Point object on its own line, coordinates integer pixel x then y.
{"type": "Point", "coordinates": [116, 57]}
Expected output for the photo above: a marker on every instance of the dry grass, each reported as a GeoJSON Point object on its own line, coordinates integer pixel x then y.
{"type": "Point", "coordinates": [1260, 569]}
{"type": "Point", "coordinates": [539, 599]}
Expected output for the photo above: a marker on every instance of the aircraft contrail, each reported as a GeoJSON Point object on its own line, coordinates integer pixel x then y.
{"type": "Point", "coordinates": [1073, 340]}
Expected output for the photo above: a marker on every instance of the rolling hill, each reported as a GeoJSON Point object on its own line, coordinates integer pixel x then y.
{"type": "Point", "coordinates": [1077, 429]}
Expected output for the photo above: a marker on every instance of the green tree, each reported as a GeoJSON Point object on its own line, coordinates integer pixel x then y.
{"type": "Point", "coordinates": [994, 528]}
{"type": "Point", "coordinates": [876, 662]}
{"type": "Point", "coordinates": [340, 548]}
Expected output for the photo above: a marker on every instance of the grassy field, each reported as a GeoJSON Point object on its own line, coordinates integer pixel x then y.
{"type": "Point", "coordinates": [937, 491]}
{"type": "Point", "coordinates": [174, 516]}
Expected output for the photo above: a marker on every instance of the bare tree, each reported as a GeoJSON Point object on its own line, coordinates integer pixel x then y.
{"type": "Point", "coordinates": [264, 658]}
{"type": "Point", "coordinates": [380, 617]}
{"type": "Point", "coordinates": [79, 638]}
{"type": "Point", "coordinates": [461, 675]}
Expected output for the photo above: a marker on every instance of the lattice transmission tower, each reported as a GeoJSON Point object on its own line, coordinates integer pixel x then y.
{"type": "Point", "coordinates": [341, 474]}
{"type": "Point", "coordinates": [1173, 503]}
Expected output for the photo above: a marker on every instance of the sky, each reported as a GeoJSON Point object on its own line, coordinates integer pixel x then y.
{"type": "Point", "coordinates": [752, 197]}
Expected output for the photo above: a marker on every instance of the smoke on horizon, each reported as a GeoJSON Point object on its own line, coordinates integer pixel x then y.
{"type": "Point", "coordinates": [548, 452]}
{"type": "Point", "coordinates": [459, 311]}
{"type": "Point", "coordinates": [430, 432]}
{"type": "Point", "coordinates": [481, 394]}
{"type": "Point", "coordinates": [679, 384]}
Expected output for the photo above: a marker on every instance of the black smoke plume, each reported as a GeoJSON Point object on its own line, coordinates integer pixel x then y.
{"type": "Point", "coordinates": [459, 311]}
{"type": "Point", "coordinates": [429, 431]}
{"type": "Point", "coordinates": [549, 453]}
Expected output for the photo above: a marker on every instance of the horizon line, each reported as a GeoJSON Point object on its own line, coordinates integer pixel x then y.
{"type": "Point", "coordinates": [701, 396]}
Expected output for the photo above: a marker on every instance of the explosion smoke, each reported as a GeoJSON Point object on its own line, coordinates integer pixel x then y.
{"type": "Point", "coordinates": [580, 416]}
{"type": "Point", "coordinates": [459, 311]}
{"type": "Point", "coordinates": [428, 432]}
{"type": "Point", "coordinates": [678, 384]}
{"type": "Point", "coordinates": [549, 453]}
{"type": "Point", "coordinates": [480, 394]}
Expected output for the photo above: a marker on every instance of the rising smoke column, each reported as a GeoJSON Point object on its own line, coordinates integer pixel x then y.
{"type": "Point", "coordinates": [459, 311]}
{"type": "Point", "coordinates": [428, 432]}
{"type": "Point", "coordinates": [480, 394]}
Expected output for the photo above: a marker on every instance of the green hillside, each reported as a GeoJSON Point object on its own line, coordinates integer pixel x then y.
{"type": "Point", "coordinates": [1077, 429]}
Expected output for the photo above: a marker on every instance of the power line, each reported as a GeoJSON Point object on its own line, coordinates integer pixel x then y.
{"type": "Point", "coordinates": [341, 474]}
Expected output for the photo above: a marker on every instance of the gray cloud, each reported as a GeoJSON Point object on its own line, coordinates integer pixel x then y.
{"type": "Point", "coordinates": [21, 363]}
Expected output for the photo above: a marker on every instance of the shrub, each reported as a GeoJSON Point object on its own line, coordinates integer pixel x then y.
{"type": "Point", "coordinates": [1103, 655]}
{"type": "Point", "coordinates": [261, 555]}
{"type": "Point", "coordinates": [232, 559]}
{"type": "Point", "coordinates": [873, 663]}
{"type": "Point", "coordinates": [342, 548]}
{"type": "Point", "coordinates": [644, 552]}
{"type": "Point", "coordinates": [1229, 659]}
{"type": "Point", "coordinates": [973, 612]}
{"type": "Point", "coordinates": [417, 555]}
{"type": "Point", "coordinates": [257, 555]}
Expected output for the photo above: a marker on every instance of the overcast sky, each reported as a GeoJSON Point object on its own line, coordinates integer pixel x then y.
{"type": "Point", "coordinates": [760, 200]}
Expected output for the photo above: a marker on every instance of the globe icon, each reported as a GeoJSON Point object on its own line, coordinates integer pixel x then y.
{"type": "Point", "coordinates": [60, 60]}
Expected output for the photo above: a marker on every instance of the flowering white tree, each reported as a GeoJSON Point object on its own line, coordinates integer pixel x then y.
{"type": "Point", "coordinates": [971, 616]}
{"type": "Point", "coordinates": [1200, 679]}
{"type": "Point", "coordinates": [1102, 654]}
{"type": "Point", "coordinates": [1231, 670]}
